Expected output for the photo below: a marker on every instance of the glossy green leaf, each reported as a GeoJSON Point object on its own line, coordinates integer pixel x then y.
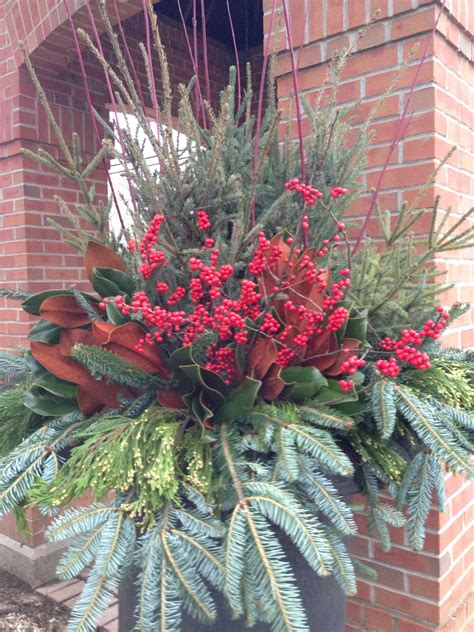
{"type": "Point", "coordinates": [44, 403]}
{"type": "Point", "coordinates": [110, 282]}
{"type": "Point", "coordinates": [44, 331]}
{"type": "Point", "coordinates": [357, 325]}
{"type": "Point", "coordinates": [181, 357]}
{"type": "Point", "coordinates": [303, 383]}
{"type": "Point", "coordinates": [203, 379]}
{"type": "Point", "coordinates": [114, 315]}
{"type": "Point", "coordinates": [333, 393]}
{"type": "Point", "coordinates": [56, 386]}
{"type": "Point", "coordinates": [240, 401]}
{"type": "Point", "coordinates": [32, 305]}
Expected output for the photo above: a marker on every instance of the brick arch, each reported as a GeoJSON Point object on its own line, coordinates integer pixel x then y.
{"type": "Point", "coordinates": [44, 26]}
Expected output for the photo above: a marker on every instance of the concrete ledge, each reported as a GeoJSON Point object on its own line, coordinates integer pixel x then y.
{"type": "Point", "coordinates": [35, 566]}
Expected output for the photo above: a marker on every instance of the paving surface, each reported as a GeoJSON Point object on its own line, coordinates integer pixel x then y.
{"type": "Point", "coordinates": [66, 595]}
{"type": "Point", "coordinates": [24, 610]}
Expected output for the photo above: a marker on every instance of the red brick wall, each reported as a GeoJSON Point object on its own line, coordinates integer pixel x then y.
{"type": "Point", "coordinates": [425, 591]}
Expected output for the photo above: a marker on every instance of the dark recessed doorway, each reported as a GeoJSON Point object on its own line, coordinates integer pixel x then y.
{"type": "Point", "coordinates": [247, 19]}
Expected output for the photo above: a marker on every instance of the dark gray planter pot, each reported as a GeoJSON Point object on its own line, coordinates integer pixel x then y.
{"type": "Point", "coordinates": [323, 599]}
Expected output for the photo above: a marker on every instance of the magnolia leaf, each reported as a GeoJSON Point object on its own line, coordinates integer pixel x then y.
{"type": "Point", "coordinates": [56, 386]}
{"type": "Point", "coordinates": [64, 311]}
{"type": "Point", "coordinates": [169, 398]}
{"type": "Point", "coordinates": [302, 383]}
{"type": "Point", "coordinates": [45, 331]}
{"type": "Point", "coordinates": [210, 381]}
{"type": "Point", "coordinates": [51, 358]}
{"type": "Point", "coordinates": [94, 395]}
{"type": "Point", "coordinates": [332, 393]}
{"type": "Point", "coordinates": [261, 356]}
{"type": "Point", "coordinates": [181, 357]}
{"type": "Point", "coordinates": [348, 343]}
{"type": "Point", "coordinates": [322, 352]}
{"type": "Point", "coordinates": [357, 325]}
{"type": "Point", "coordinates": [100, 256]}
{"type": "Point", "coordinates": [240, 401]}
{"type": "Point", "coordinates": [44, 403]}
{"type": "Point", "coordinates": [32, 305]}
{"type": "Point", "coordinates": [110, 282]}
{"type": "Point", "coordinates": [115, 315]}
{"type": "Point", "coordinates": [123, 340]}
{"type": "Point", "coordinates": [70, 337]}
{"type": "Point", "coordinates": [272, 384]}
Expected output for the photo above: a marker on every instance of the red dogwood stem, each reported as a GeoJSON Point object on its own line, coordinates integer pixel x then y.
{"type": "Point", "coordinates": [236, 53]}
{"type": "Point", "coordinates": [90, 107]}
{"type": "Point", "coordinates": [114, 104]}
{"type": "Point", "coordinates": [294, 73]}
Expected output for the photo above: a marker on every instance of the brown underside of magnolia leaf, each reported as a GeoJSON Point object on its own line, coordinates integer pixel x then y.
{"type": "Point", "coordinates": [171, 399]}
{"type": "Point", "coordinates": [70, 337]}
{"type": "Point", "coordinates": [101, 256]}
{"type": "Point", "coordinates": [272, 384]}
{"type": "Point", "coordinates": [261, 357]}
{"type": "Point", "coordinates": [123, 339]}
{"type": "Point", "coordinates": [55, 362]}
{"type": "Point", "coordinates": [63, 310]}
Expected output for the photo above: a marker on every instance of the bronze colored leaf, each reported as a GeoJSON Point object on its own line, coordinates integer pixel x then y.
{"type": "Point", "coordinates": [63, 310]}
{"type": "Point", "coordinates": [123, 339]}
{"type": "Point", "coordinates": [171, 399]}
{"type": "Point", "coordinates": [101, 331]}
{"type": "Point", "coordinates": [55, 362]}
{"type": "Point", "coordinates": [272, 385]}
{"type": "Point", "coordinates": [322, 352]}
{"type": "Point", "coordinates": [100, 256]}
{"type": "Point", "coordinates": [69, 337]}
{"type": "Point", "coordinates": [261, 356]}
{"type": "Point", "coordinates": [94, 395]}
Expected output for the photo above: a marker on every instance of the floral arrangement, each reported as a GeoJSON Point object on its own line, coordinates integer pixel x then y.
{"type": "Point", "coordinates": [227, 373]}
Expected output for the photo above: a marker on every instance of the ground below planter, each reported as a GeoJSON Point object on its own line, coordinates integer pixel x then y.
{"type": "Point", "coordinates": [24, 610]}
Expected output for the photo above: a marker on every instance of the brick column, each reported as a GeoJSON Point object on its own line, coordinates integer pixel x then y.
{"type": "Point", "coordinates": [429, 590]}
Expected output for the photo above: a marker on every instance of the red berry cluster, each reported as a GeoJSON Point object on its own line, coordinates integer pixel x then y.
{"type": "Point", "coordinates": [389, 367]}
{"type": "Point", "coordinates": [405, 348]}
{"type": "Point", "coordinates": [309, 194]}
{"type": "Point", "coordinates": [352, 364]}
{"type": "Point", "coordinates": [150, 257]}
{"type": "Point", "coordinates": [346, 385]}
{"type": "Point", "coordinates": [288, 299]}
{"type": "Point", "coordinates": [338, 191]}
{"type": "Point", "coordinates": [203, 221]}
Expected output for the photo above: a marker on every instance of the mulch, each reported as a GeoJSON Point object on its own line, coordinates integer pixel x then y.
{"type": "Point", "coordinates": [23, 610]}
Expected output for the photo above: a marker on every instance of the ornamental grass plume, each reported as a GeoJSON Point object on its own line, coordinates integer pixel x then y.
{"type": "Point", "coordinates": [234, 358]}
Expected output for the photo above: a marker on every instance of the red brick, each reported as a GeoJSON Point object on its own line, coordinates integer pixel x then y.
{"type": "Point", "coordinates": [400, 602]}
{"type": "Point", "coordinates": [378, 620]}
{"type": "Point", "coordinates": [405, 625]}
{"type": "Point", "coordinates": [371, 60]}
{"type": "Point", "coordinates": [418, 562]}
{"type": "Point", "coordinates": [356, 14]}
{"type": "Point", "coordinates": [355, 612]}
{"type": "Point", "coordinates": [418, 22]}
{"type": "Point", "coordinates": [316, 22]}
